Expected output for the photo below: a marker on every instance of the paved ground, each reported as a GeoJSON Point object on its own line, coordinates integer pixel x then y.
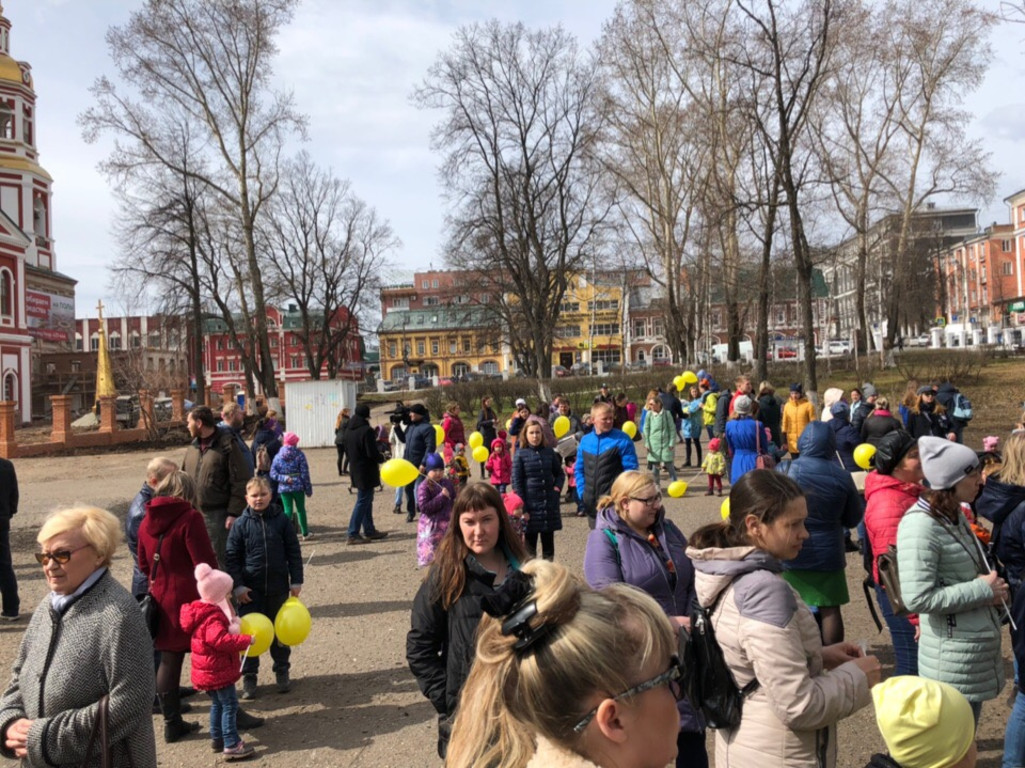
{"type": "Point", "coordinates": [354, 702]}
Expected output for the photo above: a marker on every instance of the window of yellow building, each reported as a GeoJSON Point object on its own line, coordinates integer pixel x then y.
{"type": "Point", "coordinates": [420, 347]}
{"type": "Point", "coordinates": [393, 349]}
{"type": "Point", "coordinates": [434, 346]}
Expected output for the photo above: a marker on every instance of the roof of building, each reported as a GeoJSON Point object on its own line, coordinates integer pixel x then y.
{"type": "Point", "coordinates": [413, 320]}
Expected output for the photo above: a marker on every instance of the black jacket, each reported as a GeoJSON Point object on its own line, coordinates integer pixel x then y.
{"type": "Point", "coordinates": [928, 422]}
{"type": "Point", "coordinates": [877, 425]}
{"type": "Point", "coordinates": [364, 457]}
{"type": "Point", "coordinates": [537, 478]}
{"type": "Point", "coordinates": [440, 645]}
{"type": "Point", "coordinates": [860, 413]}
{"type": "Point", "coordinates": [770, 413]}
{"type": "Point", "coordinates": [8, 490]}
{"type": "Point", "coordinates": [263, 552]}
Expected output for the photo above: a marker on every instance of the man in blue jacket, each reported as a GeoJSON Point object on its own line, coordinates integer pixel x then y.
{"type": "Point", "coordinates": [420, 441]}
{"type": "Point", "coordinates": [603, 454]}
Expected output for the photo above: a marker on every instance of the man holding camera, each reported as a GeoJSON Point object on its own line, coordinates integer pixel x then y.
{"type": "Point", "coordinates": [417, 433]}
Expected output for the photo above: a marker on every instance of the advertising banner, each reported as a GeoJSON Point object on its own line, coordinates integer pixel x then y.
{"type": "Point", "coordinates": [50, 317]}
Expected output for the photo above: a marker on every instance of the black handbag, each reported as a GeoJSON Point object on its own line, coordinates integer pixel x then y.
{"type": "Point", "coordinates": [100, 731]}
{"type": "Point", "coordinates": [148, 603]}
{"type": "Point", "coordinates": [889, 580]}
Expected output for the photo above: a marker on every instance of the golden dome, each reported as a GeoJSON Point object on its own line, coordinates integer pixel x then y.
{"type": "Point", "coordinates": [9, 70]}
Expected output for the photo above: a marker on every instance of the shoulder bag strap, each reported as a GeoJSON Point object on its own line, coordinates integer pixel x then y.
{"type": "Point", "coordinates": [758, 442]}
{"type": "Point", "coordinates": [753, 683]}
{"type": "Point", "coordinates": [100, 731]}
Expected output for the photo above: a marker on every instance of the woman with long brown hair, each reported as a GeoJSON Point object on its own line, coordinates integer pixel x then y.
{"type": "Point", "coordinates": [928, 418]}
{"type": "Point", "coordinates": [479, 552]}
{"type": "Point", "coordinates": [341, 423]}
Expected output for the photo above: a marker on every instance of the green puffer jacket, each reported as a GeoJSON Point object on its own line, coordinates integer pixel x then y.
{"type": "Point", "coordinates": [939, 564]}
{"type": "Point", "coordinates": [659, 436]}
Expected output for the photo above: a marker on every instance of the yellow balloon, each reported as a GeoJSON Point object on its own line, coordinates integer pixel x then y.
{"type": "Point", "coordinates": [398, 472]}
{"type": "Point", "coordinates": [480, 454]}
{"type": "Point", "coordinates": [677, 488]}
{"type": "Point", "coordinates": [259, 626]}
{"type": "Point", "coordinates": [508, 425]}
{"type": "Point", "coordinates": [560, 426]}
{"type": "Point", "coordinates": [439, 434]}
{"type": "Point", "coordinates": [689, 377]}
{"type": "Point", "coordinates": [724, 508]}
{"type": "Point", "coordinates": [630, 428]}
{"type": "Point", "coordinates": [863, 455]}
{"type": "Point", "coordinates": [679, 383]}
{"type": "Point", "coordinates": [293, 622]}
{"type": "Point", "coordinates": [476, 439]}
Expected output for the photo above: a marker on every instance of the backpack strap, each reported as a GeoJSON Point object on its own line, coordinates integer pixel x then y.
{"type": "Point", "coordinates": [611, 536]}
{"type": "Point", "coordinates": [753, 684]}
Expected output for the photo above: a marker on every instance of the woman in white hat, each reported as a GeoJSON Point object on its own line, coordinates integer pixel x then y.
{"type": "Point", "coordinates": [945, 579]}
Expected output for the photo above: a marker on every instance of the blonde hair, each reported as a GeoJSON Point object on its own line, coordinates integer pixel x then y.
{"type": "Point", "coordinates": [1013, 453]}
{"type": "Point", "coordinates": [882, 403]}
{"type": "Point", "coordinates": [100, 529]}
{"type": "Point", "coordinates": [624, 486]}
{"type": "Point", "coordinates": [766, 388]}
{"type": "Point", "coordinates": [159, 468]}
{"type": "Point", "coordinates": [230, 408]}
{"type": "Point", "coordinates": [258, 482]}
{"type": "Point", "coordinates": [600, 643]}
{"type": "Point", "coordinates": [601, 407]}
{"type": "Point", "coordinates": [178, 485]}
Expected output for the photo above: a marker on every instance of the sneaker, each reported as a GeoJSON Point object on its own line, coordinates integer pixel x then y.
{"type": "Point", "coordinates": [248, 687]}
{"type": "Point", "coordinates": [356, 540]}
{"type": "Point", "coordinates": [10, 616]}
{"type": "Point", "coordinates": [709, 493]}
{"type": "Point", "coordinates": [376, 535]}
{"type": "Point", "coordinates": [397, 510]}
{"type": "Point", "coordinates": [308, 535]}
{"type": "Point", "coordinates": [409, 518]}
{"type": "Point", "coordinates": [217, 745]}
{"type": "Point", "coordinates": [283, 683]}
{"type": "Point", "coordinates": [239, 752]}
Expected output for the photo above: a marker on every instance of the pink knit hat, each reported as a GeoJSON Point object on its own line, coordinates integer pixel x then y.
{"type": "Point", "coordinates": [512, 502]}
{"type": "Point", "coordinates": [991, 443]}
{"type": "Point", "coordinates": [214, 588]}
{"type": "Point", "coordinates": [290, 438]}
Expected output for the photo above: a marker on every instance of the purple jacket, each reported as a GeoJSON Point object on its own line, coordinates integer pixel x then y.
{"type": "Point", "coordinates": [291, 472]}
{"type": "Point", "coordinates": [632, 560]}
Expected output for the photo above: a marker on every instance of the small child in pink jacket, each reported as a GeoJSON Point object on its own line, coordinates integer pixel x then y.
{"type": "Point", "coordinates": [499, 465]}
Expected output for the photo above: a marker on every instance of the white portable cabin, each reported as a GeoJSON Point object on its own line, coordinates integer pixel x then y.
{"type": "Point", "coordinates": [311, 408]}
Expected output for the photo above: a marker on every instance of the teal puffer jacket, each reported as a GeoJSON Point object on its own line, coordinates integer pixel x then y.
{"type": "Point", "coordinates": [659, 436]}
{"type": "Point", "coordinates": [939, 564]}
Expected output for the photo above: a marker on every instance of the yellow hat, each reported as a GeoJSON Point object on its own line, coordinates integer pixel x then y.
{"type": "Point", "coordinates": [925, 723]}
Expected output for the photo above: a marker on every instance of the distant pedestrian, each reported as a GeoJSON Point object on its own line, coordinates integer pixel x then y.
{"type": "Point", "coordinates": [8, 509]}
{"type": "Point", "coordinates": [291, 472]}
{"type": "Point", "coordinates": [365, 469]}
{"type": "Point", "coordinates": [603, 454]}
{"type": "Point", "coordinates": [341, 422]}
{"type": "Point", "coordinates": [434, 499]}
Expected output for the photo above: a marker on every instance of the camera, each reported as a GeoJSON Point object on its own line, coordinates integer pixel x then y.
{"type": "Point", "coordinates": [400, 415]}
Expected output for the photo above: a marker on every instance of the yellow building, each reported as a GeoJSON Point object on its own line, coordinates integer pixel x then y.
{"type": "Point", "coordinates": [590, 326]}
{"type": "Point", "coordinates": [444, 341]}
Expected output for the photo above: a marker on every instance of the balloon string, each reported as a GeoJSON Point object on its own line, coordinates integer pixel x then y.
{"type": "Point", "coordinates": [244, 657]}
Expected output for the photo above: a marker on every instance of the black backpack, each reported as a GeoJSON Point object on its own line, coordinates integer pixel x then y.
{"type": "Point", "coordinates": [707, 680]}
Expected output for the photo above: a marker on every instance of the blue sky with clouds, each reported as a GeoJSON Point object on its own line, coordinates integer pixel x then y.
{"type": "Point", "coordinates": [352, 65]}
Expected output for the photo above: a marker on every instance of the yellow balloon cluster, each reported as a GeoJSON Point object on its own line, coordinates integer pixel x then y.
{"type": "Point", "coordinates": [292, 624]}
{"type": "Point", "coordinates": [679, 383]}
{"type": "Point", "coordinates": [560, 426]}
{"type": "Point", "coordinates": [476, 440]}
{"type": "Point", "coordinates": [689, 377]}
{"type": "Point", "coordinates": [631, 429]}
{"type": "Point", "coordinates": [398, 472]}
{"type": "Point", "coordinates": [480, 454]}
{"type": "Point", "coordinates": [259, 626]}
{"type": "Point", "coordinates": [677, 488]}
{"type": "Point", "coordinates": [864, 454]}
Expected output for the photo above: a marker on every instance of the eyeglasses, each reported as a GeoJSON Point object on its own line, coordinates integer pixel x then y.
{"type": "Point", "coordinates": [651, 501]}
{"type": "Point", "coordinates": [62, 556]}
{"type": "Point", "coordinates": [671, 677]}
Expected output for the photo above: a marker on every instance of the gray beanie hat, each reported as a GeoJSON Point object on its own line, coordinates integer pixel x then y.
{"type": "Point", "coordinates": [945, 463]}
{"type": "Point", "coordinates": [868, 390]}
{"type": "Point", "coordinates": [742, 405]}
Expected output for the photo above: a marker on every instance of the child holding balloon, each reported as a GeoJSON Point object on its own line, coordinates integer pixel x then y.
{"type": "Point", "coordinates": [266, 566]}
{"type": "Point", "coordinates": [216, 644]}
{"type": "Point", "coordinates": [434, 499]}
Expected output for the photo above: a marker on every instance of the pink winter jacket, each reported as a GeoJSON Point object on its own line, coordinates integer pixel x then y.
{"type": "Point", "coordinates": [886, 501]}
{"type": "Point", "coordinates": [499, 465]}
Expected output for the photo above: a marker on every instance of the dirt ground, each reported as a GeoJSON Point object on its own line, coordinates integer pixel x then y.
{"type": "Point", "coordinates": [354, 702]}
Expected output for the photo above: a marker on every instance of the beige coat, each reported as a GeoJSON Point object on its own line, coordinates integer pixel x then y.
{"type": "Point", "coordinates": [767, 632]}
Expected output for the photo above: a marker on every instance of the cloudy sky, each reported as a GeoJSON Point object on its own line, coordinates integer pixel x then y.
{"type": "Point", "coordinates": [352, 65]}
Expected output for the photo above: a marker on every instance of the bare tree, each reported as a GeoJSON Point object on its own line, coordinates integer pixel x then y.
{"type": "Point", "coordinates": [328, 250]}
{"type": "Point", "coordinates": [526, 208]}
{"type": "Point", "coordinates": [207, 62]}
{"type": "Point", "coordinates": [943, 50]}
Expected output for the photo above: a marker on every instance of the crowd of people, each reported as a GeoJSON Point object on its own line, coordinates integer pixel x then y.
{"type": "Point", "coordinates": [525, 663]}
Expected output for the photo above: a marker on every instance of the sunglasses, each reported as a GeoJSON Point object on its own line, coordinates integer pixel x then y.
{"type": "Point", "coordinates": [62, 556]}
{"type": "Point", "coordinates": [670, 677]}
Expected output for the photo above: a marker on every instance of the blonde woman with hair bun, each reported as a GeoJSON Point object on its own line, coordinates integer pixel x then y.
{"type": "Point", "coordinates": [568, 677]}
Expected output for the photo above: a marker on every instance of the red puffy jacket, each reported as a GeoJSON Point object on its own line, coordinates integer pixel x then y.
{"type": "Point", "coordinates": [886, 501]}
{"type": "Point", "coordinates": [215, 662]}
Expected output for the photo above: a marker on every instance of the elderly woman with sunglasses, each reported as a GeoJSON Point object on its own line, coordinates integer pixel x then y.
{"type": "Point", "coordinates": [634, 543]}
{"type": "Point", "coordinates": [86, 640]}
{"type": "Point", "coordinates": [569, 677]}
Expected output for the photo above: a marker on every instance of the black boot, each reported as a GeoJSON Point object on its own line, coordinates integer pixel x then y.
{"type": "Point", "coordinates": [246, 721]}
{"type": "Point", "coordinates": [174, 727]}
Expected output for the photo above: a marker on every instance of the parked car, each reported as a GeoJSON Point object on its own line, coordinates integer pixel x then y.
{"type": "Point", "coordinates": [560, 372]}
{"type": "Point", "coordinates": [581, 369]}
{"type": "Point", "coordinates": [128, 410]}
{"type": "Point", "coordinates": [922, 340]}
{"type": "Point", "coordinates": [162, 408]}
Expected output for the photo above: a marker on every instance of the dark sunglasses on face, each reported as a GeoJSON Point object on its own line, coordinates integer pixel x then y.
{"type": "Point", "coordinates": [670, 677]}
{"type": "Point", "coordinates": [62, 556]}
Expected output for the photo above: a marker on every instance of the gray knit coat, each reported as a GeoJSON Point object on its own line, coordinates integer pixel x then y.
{"type": "Point", "coordinates": [99, 646]}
